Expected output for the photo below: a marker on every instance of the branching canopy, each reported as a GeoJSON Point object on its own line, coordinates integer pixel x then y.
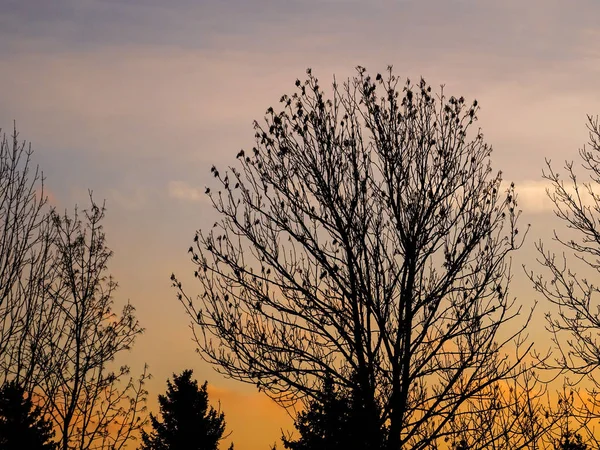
{"type": "Point", "coordinates": [365, 240]}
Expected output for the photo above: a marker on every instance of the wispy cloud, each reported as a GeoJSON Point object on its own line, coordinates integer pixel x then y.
{"type": "Point", "coordinates": [181, 190]}
{"type": "Point", "coordinates": [534, 197]}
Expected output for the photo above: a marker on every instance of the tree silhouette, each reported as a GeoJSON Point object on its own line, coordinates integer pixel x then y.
{"type": "Point", "coordinates": [21, 423]}
{"type": "Point", "coordinates": [575, 320]}
{"type": "Point", "coordinates": [26, 237]}
{"type": "Point", "coordinates": [92, 405]}
{"type": "Point", "coordinates": [363, 239]}
{"type": "Point", "coordinates": [59, 334]}
{"type": "Point", "coordinates": [334, 422]}
{"type": "Point", "coordinates": [188, 421]}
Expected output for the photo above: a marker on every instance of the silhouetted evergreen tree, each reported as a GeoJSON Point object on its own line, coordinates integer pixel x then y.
{"type": "Point", "coordinates": [188, 421]}
{"type": "Point", "coordinates": [336, 422]}
{"type": "Point", "coordinates": [21, 423]}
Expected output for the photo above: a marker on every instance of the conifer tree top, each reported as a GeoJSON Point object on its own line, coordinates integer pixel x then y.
{"type": "Point", "coordinates": [188, 421]}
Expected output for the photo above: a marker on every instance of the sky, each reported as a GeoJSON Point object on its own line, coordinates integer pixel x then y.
{"type": "Point", "coordinates": [137, 99]}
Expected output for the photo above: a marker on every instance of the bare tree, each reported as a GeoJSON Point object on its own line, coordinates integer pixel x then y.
{"type": "Point", "coordinates": [58, 333]}
{"type": "Point", "coordinates": [365, 240]}
{"type": "Point", "coordinates": [575, 320]}
{"type": "Point", "coordinates": [93, 406]}
{"type": "Point", "coordinates": [26, 236]}
{"type": "Point", "coordinates": [513, 415]}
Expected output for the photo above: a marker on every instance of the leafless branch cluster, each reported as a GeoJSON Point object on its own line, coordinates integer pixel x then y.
{"type": "Point", "coordinates": [364, 239]}
{"type": "Point", "coordinates": [574, 322]}
{"type": "Point", "coordinates": [59, 334]}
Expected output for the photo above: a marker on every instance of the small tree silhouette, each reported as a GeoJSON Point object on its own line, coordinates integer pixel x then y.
{"type": "Point", "coordinates": [21, 423]}
{"type": "Point", "coordinates": [335, 422]}
{"type": "Point", "coordinates": [188, 421]}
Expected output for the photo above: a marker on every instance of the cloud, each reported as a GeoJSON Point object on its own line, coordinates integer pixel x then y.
{"type": "Point", "coordinates": [532, 196]}
{"type": "Point", "coordinates": [440, 26]}
{"type": "Point", "coordinates": [181, 190]}
{"type": "Point", "coordinates": [133, 77]}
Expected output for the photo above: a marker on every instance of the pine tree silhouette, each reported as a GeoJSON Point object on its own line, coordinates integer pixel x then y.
{"type": "Point", "coordinates": [336, 422]}
{"type": "Point", "coordinates": [188, 421]}
{"type": "Point", "coordinates": [21, 423]}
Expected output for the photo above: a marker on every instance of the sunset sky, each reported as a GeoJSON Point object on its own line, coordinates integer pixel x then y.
{"type": "Point", "coordinates": [136, 99]}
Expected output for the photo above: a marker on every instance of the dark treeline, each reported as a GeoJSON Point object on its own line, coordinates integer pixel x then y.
{"type": "Point", "coordinates": [359, 273]}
